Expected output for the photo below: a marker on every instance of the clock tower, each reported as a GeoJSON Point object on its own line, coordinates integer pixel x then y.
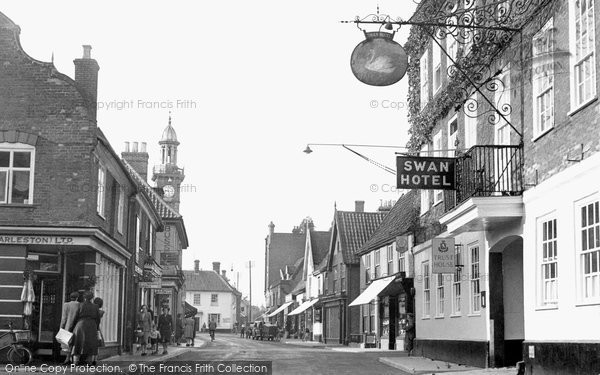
{"type": "Point", "coordinates": [167, 174]}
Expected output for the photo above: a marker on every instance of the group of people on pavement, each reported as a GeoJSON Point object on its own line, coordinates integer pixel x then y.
{"type": "Point", "coordinates": [152, 333]}
{"type": "Point", "coordinates": [83, 320]}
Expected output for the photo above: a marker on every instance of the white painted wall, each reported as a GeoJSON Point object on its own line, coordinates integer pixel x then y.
{"type": "Point", "coordinates": [466, 326]}
{"type": "Point", "coordinates": [225, 307]}
{"type": "Point", "coordinates": [571, 319]}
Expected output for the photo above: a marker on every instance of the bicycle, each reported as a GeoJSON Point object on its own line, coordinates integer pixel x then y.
{"type": "Point", "coordinates": [17, 353]}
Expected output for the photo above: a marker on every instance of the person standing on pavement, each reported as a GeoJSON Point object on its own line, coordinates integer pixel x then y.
{"type": "Point", "coordinates": [68, 320]}
{"type": "Point", "coordinates": [212, 326]}
{"type": "Point", "coordinates": [145, 324]}
{"type": "Point", "coordinates": [189, 331]}
{"type": "Point", "coordinates": [178, 329]}
{"type": "Point", "coordinates": [409, 336]}
{"type": "Point", "coordinates": [165, 327]}
{"type": "Point", "coordinates": [98, 302]}
{"type": "Point", "coordinates": [86, 329]}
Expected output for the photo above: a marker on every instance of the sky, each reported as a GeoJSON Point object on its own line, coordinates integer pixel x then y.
{"type": "Point", "coordinates": [249, 85]}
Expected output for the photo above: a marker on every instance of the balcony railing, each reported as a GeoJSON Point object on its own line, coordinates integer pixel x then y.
{"type": "Point", "coordinates": [167, 168]}
{"type": "Point", "coordinates": [487, 171]}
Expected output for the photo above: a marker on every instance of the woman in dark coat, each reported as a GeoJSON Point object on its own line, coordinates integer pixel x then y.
{"type": "Point", "coordinates": [86, 330]}
{"type": "Point", "coordinates": [165, 327]}
{"type": "Point", "coordinates": [178, 329]}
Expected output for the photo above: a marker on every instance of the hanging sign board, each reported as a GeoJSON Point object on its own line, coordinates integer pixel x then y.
{"type": "Point", "coordinates": [415, 172]}
{"type": "Point", "coordinates": [443, 255]}
{"type": "Point", "coordinates": [378, 60]}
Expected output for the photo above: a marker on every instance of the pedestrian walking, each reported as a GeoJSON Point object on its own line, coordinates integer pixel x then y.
{"type": "Point", "coordinates": [189, 331]}
{"type": "Point", "coordinates": [98, 302]}
{"type": "Point", "coordinates": [178, 329]}
{"type": "Point", "coordinates": [68, 320]}
{"type": "Point", "coordinates": [212, 326]}
{"type": "Point", "coordinates": [409, 335]}
{"type": "Point", "coordinates": [165, 327]}
{"type": "Point", "coordinates": [154, 334]}
{"type": "Point", "coordinates": [86, 330]}
{"type": "Point", "coordinates": [144, 322]}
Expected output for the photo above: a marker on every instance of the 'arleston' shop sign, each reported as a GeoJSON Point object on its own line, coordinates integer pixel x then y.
{"type": "Point", "coordinates": [415, 172]}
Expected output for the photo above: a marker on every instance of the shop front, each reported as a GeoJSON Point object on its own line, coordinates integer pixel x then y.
{"type": "Point", "coordinates": [38, 272]}
{"type": "Point", "coordinates": [393, 296]}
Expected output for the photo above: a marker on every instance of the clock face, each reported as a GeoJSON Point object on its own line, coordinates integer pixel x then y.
{"type": "Point", "coordinates": [169, 191]}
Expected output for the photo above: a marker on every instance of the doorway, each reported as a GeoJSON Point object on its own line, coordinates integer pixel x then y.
{"type": "Point", "coordinates": [506, 302]}
{"type": "Point", "coordinates": [46, 314]}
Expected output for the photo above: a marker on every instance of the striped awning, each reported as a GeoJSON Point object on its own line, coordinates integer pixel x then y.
{"type": "Point", "coordinates": [304, 306]}
{"type": "Point", "coordinates": [280, 309]}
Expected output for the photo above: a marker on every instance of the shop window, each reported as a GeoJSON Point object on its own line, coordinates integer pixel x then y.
{"type": "Point", "coordinates": [548, 257]}
{"type": "Point", "coordinates": [214, 317]}
{"type": "Point", "coordinates": [543, 79]}
{"type": "Point", "coordinates": [424, 72]}
{"type": "Point", "coordinates": [335, 279]}
{"type": "Point", "coordinates": [16, 173]}
{"type": "Point", "coordinates": [390, 260]}
{"type": "Point", "coordinates": [101, 194]}
{"type": "Point", "coordinates": [377, 262]}
{"type": "Point", "coordinates": [108, 287]}
{"type": "Point", "coordinates": [456, 282]}
{"type": "Point", "coordinates": [589, 250]}
{"type": "Point", "coordinates": [120, 209]}
{"type": "Point", "coordinates": [440, 295]}
{"type": "Point", "coordinates": [426, 289]}
{"type": "Point", "coordinates": [367, 268]}
{"type": "Point", "coordinates": [582, 30]}
{"type": "Point", "coordinates": [475, 280]}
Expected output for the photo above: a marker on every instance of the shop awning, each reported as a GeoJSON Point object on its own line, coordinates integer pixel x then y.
{"type": "Point", "coordinates": [280, 309]}
{"type": "Point", "coordinates": [304, 306]}
{"type": "Point", "coordinates": [190, 310]}
{"type": "Point", "coordinates": [372, 291]}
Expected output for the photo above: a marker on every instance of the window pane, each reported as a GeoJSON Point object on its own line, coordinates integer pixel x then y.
{"type": "Point", "coordinates": [4, 159]}
{"type": "Point", "coordinates": [22, 159]}
{"type": "Point", "coordinates": [3, 182]}
{"type": "Point", "coordinates": [583, 217]}
{"type": "Point", "coordinates": [20, 187]}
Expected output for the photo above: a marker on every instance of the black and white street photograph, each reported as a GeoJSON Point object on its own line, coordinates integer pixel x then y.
{"type": "Point", "coordinates": [405, 187]}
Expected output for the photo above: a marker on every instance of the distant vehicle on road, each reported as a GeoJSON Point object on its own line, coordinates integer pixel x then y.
{"type": "Point", "coordinates": [264, 331]}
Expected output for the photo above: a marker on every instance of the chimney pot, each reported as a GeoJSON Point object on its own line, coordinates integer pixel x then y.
{"type": "Point", "coordinates": [143, 147]}
{"type": "Point", "coordinates": [217, 267]}
{"type": "Point", "coordinates": [197, 265]}
{"type": "Point", "coordinates": [87, 51]}
{"type": "Point", "coordinates": [359, 206]}
{"type": "Point", "coordinates": [126, 146]}
{"type": "Point", "coordinates": [224, 273]}
{"type": "Point", "coordinates": [135, 147]}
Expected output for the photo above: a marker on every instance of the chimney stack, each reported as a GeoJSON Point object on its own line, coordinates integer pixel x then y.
{"type": "Point", "coordinates": [359, 206]}
{"type": "Point", "coordinates": [217, 267]}
{"type": "Point", "coordinates": [137, 158]}
{"type": "Point", "coordinates": [86, 77]}
{"type": "Point", "coordinates": [197, 265]}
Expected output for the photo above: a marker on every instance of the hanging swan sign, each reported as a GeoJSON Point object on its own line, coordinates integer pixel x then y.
{"type": "Point", "coordinates": [378, 60]}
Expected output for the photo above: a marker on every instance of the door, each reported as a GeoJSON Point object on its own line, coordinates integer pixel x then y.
{"type": "Point", "coordinates": [46, 313]}
{"type": "Point", "coordinates": [333, 326]}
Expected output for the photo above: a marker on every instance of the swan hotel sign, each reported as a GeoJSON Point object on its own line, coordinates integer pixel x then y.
{"type": "Point", "coordinates": [425, 173]}
{"type": "Point", "coordinates": [378, 60]}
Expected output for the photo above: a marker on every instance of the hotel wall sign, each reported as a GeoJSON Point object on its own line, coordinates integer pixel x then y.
{"type": "Point", "coordinates": [415, 172]}
{"type": "Point", "coordinates": [378, 60]}
{"type": "Point", "coordinates": [443, 255]}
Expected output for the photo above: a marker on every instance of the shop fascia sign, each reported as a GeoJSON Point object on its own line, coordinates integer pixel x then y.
{"type": "Point", "coordinates": [417, 172]}
{"type": "Point", "coordinates": [154, 284]}
{"type": "Point", "coordinates": [443, 255]}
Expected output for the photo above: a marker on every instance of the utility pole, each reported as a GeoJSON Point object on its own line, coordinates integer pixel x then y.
{"type": "Point", "coordinates": [250, 265]}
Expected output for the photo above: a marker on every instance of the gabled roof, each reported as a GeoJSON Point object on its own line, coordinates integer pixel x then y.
{"type": "Point", "coordinates": [164, 210]}
{"type": "Point", "coordinates": [319, 243]}
{"type": "Point", "coordinates": [398, 221]}
{"type": "Point", "coordinates": [206, 281]}
{"type": "Point", "coordinates": [353, 230]}
{"type": "Point", "coordinates": [283, 249]}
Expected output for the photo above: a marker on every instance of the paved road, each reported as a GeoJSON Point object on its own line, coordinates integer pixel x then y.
{"type": "Point", "coordinates": [292, 359]}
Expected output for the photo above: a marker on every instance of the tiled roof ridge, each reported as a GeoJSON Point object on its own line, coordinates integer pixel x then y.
{"type": "Point", "coordinates": [151, 192]}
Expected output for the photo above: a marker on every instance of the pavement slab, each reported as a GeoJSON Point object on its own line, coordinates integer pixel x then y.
{"type": "Point", "coordinates": [426, 366]}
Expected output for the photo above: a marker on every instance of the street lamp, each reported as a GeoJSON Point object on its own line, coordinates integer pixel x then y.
{"type": "Point", "coordinates": [308, 150]}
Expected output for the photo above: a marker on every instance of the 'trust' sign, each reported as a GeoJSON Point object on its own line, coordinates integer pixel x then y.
{"type": "Point", "coordinates": [414, 172]}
